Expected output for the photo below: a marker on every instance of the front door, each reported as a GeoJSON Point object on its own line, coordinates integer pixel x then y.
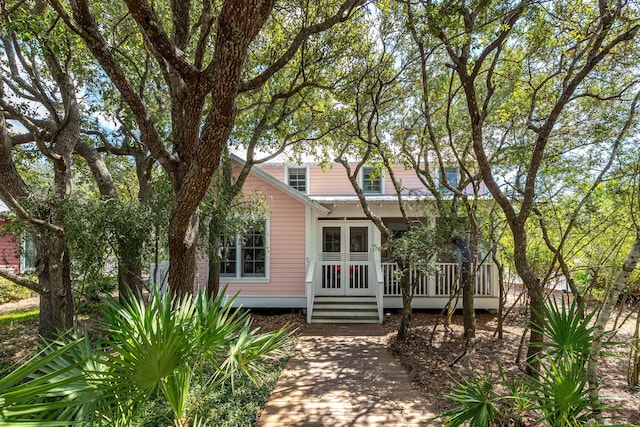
{"type": "Point", "coordinates": [345, 259]}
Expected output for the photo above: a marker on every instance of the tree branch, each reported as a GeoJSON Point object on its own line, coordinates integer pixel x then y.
{"type": "Point", "coordinates": [84, 24]}
{"type": "Point", "coordinates": [151, 28]}
{"type": "Point", "coordinates": [344, 13]}
{"type": "Point", "coordinates": [21, 281]}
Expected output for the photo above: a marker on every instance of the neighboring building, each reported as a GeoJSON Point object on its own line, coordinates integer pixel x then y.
{"type": "Point", "coordinates": [317, 250]}
{"type": "Point", "coordinates": [9, 244]}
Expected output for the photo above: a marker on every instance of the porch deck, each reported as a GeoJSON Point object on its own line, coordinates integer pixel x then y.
{"type": "Point", "coordinates": [342, 375]}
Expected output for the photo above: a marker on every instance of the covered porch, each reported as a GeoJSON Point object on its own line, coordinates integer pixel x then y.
{"type": "Point", "coordinates": [348, 280]}
{"type": "Point", "coordinates": [369, 287]}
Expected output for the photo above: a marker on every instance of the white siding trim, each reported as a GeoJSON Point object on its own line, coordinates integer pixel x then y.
{"type": "Point", "coordinates": [270, 301]}
{"type": "Point", "coordinates": [381, 178]}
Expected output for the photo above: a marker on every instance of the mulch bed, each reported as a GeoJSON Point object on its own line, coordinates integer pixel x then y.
{"type": "Point", "coordinates": [428, 359]}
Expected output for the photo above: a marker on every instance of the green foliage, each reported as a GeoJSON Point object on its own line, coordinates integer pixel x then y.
{"type": "Point", "coordinates": [12, 292]}
{"type": "Point", "coordinates": [101, 232]}
{"type": "Point", "coordinates": [561, 391]}
{"type": "Point", "coordinates": [566, 333]}
{"type": "Point", "coordinates": [91, 292]}
{"type": "Point", "coordinates": [236, 406]}
{"type": "Point", "coordinates": [416, 247]}
{"type": "Point", "coordinates": [477, 403]}
{"type": "Point", "coordinates": [99, 229]}
{"type": "Point", "coordinates": [175, 350]}
{"type": "Point", "coordinates": [41, 391]}
{"type": "Point", "coordinates": [7, 319]}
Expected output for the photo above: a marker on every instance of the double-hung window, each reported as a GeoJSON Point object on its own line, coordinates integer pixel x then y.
{"type": "Point", "coordinates": [297, 178]}
{"type": "Point", "coordinates": [371, 180]}
{"type": "Point", "coordinates": [244, 255]}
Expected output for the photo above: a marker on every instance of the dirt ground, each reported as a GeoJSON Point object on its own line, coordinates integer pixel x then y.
{"type": "Point", "coordinates": [428, 364]}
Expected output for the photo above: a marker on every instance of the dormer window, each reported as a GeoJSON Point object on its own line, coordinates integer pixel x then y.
{"type": "Point", "coordinates": [451, 177]}
{"type": "Point", "coordinates": [297, 178]}
{"type": "Point", "coordinates": [371, 180]}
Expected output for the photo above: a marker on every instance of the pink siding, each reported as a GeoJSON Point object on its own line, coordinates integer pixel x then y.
{"type": "Point", "coordinates": [333, 180]}
{"type": "Point", "coordinates": [287, 260]}
{"type": "Point", "coordinates": [408, 180]}
{"type": "Point", "coordinates": [276, 171]}
{"type": "Point", "coordinates": [9, 250]}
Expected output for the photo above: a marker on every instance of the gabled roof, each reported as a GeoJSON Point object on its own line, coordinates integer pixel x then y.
{"type": "Point", "coordinates": [284, 187]}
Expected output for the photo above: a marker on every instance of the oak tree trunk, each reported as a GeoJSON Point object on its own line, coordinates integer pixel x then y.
{"type": "Point", "coordinates": [182, 254]}
{"type": "Point", "coordinates": [467, 277]}
{"type": "Point", "coordinates": [406, 317]}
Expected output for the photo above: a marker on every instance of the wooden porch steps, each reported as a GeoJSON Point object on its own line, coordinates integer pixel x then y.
{"type": "Point", "coordinates": [340, 309]}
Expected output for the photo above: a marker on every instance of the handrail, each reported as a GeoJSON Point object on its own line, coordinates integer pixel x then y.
{"type": "Point", "coordinates": [379, 291]}
{"type": "Point", "coordinates": [309, 288]}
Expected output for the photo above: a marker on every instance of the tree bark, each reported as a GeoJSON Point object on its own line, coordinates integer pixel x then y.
{"type": "Point", "coordinates": [502, 297]}
{"type": "Point", "coordinates": [467, 276]}
{"type": "Point", "coordinates": [536, 300]}
{"type": "Point", "coordinates": [182, 254]}
{"type": "Point", "coordinates": [213, 279]}
{"type": "Point", "coordinates": [611, 298]}
{"type": "Point", "coordinates": [56, 299]}
{"type": "Point", "coordinates": [406, 318]}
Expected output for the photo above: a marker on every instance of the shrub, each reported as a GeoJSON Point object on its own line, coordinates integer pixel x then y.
{"type": "Point", "coordinates": [12, 292]}
{"type": "Point", "coordinates": [166, 349]}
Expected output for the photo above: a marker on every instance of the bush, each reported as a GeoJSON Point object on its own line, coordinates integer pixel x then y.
{"type": "Point", "coordinates": [89, 293]}
{"type": "Point", "coordinates": [12, 292]}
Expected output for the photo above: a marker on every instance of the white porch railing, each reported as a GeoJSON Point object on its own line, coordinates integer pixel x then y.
{"type": "Point", "coordinates": [379, 291]}
{"type": "Point", "coordinates": [310, 288]}
{"type": "Point", "coordinates": [442, 283]}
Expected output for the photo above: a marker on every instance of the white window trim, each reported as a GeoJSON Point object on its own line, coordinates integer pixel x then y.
{"type": "Point", "coordinates": [443, 178]}
{"type": "Point", "coordinates": [267, 261]}
{"type": "Point", "coordinates": [382, 180]}
{"type": "Point", "coordinates": [286, 176]}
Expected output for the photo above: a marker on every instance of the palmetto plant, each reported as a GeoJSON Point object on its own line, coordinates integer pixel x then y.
{"type": "Point", "coordinates": [170, 344]}
{"type": "Point", "coordinates": [561, 392]}
{"type": "Point", "coordinates": [42, 391]}
{"type": "Point", "coordinates": [558, 397]}
{"type": "Point", "coordinates": [565, 332]}
{"type": "Point", "coordinates": [477, 403]}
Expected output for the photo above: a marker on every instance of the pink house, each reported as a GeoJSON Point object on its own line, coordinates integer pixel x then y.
{"type": "Point", "coordinates": [318, 252]}
{"type": "Point", "coordinates": [9, 244]}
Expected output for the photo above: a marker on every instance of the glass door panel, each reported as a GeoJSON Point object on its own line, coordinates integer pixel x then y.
{"type": "Point", "coordinates": [330, 239]}
{"type": "Point", "coordinates": [331, 259]}
{"type": "Point", "coordinates": [345, 262]}
{"type": "Point", "coordinates": [358, 239]}
{"type": "Point", "coordinates": [358, 261]}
